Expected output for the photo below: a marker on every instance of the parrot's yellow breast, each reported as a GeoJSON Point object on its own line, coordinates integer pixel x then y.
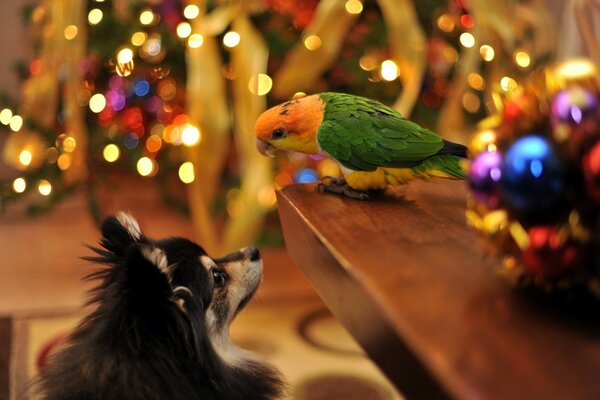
{"type": "Point", "coordinates": [378, 179]}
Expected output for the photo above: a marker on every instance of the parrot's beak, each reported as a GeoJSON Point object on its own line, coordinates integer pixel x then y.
{"type": "Point", "coordinates": [265, 148]}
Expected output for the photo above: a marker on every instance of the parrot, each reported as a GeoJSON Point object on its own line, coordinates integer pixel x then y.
{"type": "Point", "coordinates": [373, 144]}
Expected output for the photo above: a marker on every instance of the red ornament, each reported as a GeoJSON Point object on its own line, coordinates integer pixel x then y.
{"type": "Point", "coordinates": [591, 171]}
{"type": "Point", "coordinates": [547, 256]}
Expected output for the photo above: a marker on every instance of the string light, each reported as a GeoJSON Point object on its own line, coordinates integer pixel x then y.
{"type": "Point", "coordinates": [186, 172]}
{"type": "Point", "coordinates": [95, 16]}
{"type": "Point", "coordinates": [16, 123]}
{"type": "Point", "coordinates": [184, 29]}
{"type": "Point", "coordinates": [44, 187]}
{"type": "Point", "coordinates": [19, 185]}
{"type": "Point", "coordinates": [507, 83]}
{"type": "Point", "coordinates": [5, 116]}
{"type": "Point", "coordinates": [64, 162]}
{"type": "Point", "coordinates": [71, 32]}
{"type": "Point", "coordinates": [467, 39]}
{"type": "Point", "coordinates": [312, 42]}
{"type": "Point", "coordinates": [231, 39]}
{"type": "Point", "coordinates": [389, 70]}
{"type": "Point", "coordinates": [522, 59]}
{"type": "Point", "coordinates": [97, 103]}
{"type": "Point", "coordinates": [191, 11]}
{"type": "Point", "coordinates": [111, 153]}
{"type": "Point", "coordinates": [445, 23]}
{"type": "Point", "coordinates": [476, 81]}
{"type": "Point", "coordinates": [354, 6]}
{"type": "Point", "coordinates": [146, 17]}
{"type": "Point", "coordinates": [190, 135]}
{"type": "Point", "coordinates": [487, 52]}
{"type": "Point", "coordinates": [195, 40]}
{"type": "Point", "coordinates": [25, 157]}
{"type": "Point", "coordinates": [145, 166]}
{"type": "Point", "coordinates": [138, 38]}
{"type": "Point", "coordinates": [260, 85]}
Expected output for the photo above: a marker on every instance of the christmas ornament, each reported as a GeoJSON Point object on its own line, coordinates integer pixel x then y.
{"type": "Point", "coordinates": [535, 180]}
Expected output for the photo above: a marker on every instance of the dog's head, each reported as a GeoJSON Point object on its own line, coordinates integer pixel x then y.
{"type": "Point", "coordinates": [208, 291]}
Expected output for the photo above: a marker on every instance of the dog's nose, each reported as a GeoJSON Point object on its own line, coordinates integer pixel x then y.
{"type": "Point", "coordinates": [253, 253]}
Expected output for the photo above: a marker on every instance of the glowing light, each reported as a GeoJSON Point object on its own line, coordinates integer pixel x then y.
{"type": "Point", "coordinates": [354, 6]}
{"type": "Point", "coordinates": [522, 59]}
{"type": "Point", "coordinates": [471, 102]}
{"type": "Point", "coordinates": [125, 55]}
{"type": "Point", "coordinates": [260, 84]}
{"type": "Point", "coordinates": [191, 11]}
{"type": "Point", "coordinates": [19, 185]}
{"type": "Point", "coordinates": [145, 166]}
{"type": "Point", "coordinates": [131, 141]}
{"type": "Point", "coordinates": [71, 32]}
{"type": "Point", "coordinates": [445, 23]}
{"type": "Point", "coordinates": [146, 17]}
{"type": "Point", "coordinates": [154, 143]}
{"type": "Point", "coordinates": [306, 175]}
{"type": "Point", "coordinates": [231, 39]}
{"type": "Point", "coordinates": [95, 16]}
{"type": "Point", "coordinates": [467, 39]}
{"type": "Point", "coordinates": [35, 67]}
{"type": "Point", "coordinates": [97, 103]}
{"type": "Point", "coordinates": [153, 46]}
{"type": "Point", "coordinates": [64, 162]}
{"type": "Point", "coordinates": [138, 38]}
{"type": "Point", "coordinates": [267, 197]}
{"type": "Point", "coordinates": [111, 153]}
{"type": "Point", "coordinates": [69, 144]}
{"type": "Point", "coordinates": [44, 187]}
{"type": "Point", "coordinates": [507, 83]}
{"type": "Point", "coordinates": [16, 123]}
{"type": "Point", "coordinates": [184, 29]}
{"type": "Point", "coordinates": [467, 21]}
{"type": "Point", "coordinates": [186, 172]}
{"type": "Point", "coordinates": [5, 116]}
{"type": "Point", "coordinates": [195, 40]}
{"type": "Point", "coordinates": [368, 63]}
{"type": "Point", "coordinates": [487, 52]}
{"type": "Point", "coordinates": [389, 70]}
{"type": "Point", "coordinates": [167, 89]}
{"type": "Point", "coordinates": [190, 135]}
{"type": "Point", "coordinates": [25, 157]}
{"type": "Point", "coordinates": [141, 88]}
{"type": "Point", "coordinates": [476, 81]}
{"type": "Point", "coordinates": [312, 42]}
{"type": "Point", "coordinates": [577, 69]}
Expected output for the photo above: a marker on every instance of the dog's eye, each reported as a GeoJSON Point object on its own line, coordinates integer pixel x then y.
{"type": "Point", "coordinates": [278, 134]}
{"type": "Point", "coordinates": [219, 277]}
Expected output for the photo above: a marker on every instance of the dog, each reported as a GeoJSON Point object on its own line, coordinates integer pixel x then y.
{"type": "Point", "coordinates": [160, 329]}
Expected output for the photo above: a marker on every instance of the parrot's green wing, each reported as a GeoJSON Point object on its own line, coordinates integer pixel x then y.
{"type": "Point", "coordinates": [363, 134]}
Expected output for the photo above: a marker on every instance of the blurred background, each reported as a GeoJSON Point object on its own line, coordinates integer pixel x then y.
{"type": "Point", "coordinates": [149, 106]}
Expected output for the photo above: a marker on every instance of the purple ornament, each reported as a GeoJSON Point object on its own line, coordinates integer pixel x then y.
{"type": "Point", "coordinates": [572, 105]}
{"type": "Point", "coordinates": [484, 174]}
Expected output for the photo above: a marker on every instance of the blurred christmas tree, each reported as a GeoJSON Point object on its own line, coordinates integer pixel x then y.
{"type": "Point", "coordinates": [170, 90]}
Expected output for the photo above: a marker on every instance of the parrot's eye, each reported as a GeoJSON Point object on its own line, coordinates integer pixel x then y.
{"type": "Point", "coordinates": [278, 134]}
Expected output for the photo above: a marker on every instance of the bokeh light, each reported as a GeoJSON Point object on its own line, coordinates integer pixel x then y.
{"type": "Point", "coordinates": [16, 123]}
{"type": "Point", "coordinates": [522, 59]}
{"type": "Point", "coordinates": [70, 32]}
{"type": "Point", "coordinates": [111, 152]}
{"type": "Point", "coordinates": [312, 42]}
{"type": "Point", "coordinates": [146, 17]}
{"type": "Point", "coordinates": [184, 29]}
{"type": "Point", "coordinates": [186, 172]}
{"type": "Point", "coordinates": [467, 39]}
{"type": "Point", "coordinates": [389, 70]}
{"type": "Point", "coordinates": [19, 185]}
{"type": "Point", "coordinates": [190, 135]}
{"type": "Point", "coordinates": [261, 84]}
{"type": "Point", "coordinates": [95, 16]}
{"type": "Point", "coordinates": [44, 187]}
{"type": "Point", "coordinates": [354, 6]}
{"type": "Point", "coordinates": [195, 40]}
{"type": "Point", "coordinates": [145, 166]}
{"type": "Point", "coordinates": [231, 39]}
{"type": "Point", "coordinates": [25, 157]}
{"type": "Point", "coordinates": [191, 11]}
{"type": "Point", "coordinates": [97, 103]}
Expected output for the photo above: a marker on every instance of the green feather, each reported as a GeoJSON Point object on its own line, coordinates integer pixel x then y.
{"type": "Point", "coordinates": [363, 134]}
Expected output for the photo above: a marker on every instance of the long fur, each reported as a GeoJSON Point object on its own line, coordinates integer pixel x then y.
{"type": "Point", "coordinates": [148, 337]}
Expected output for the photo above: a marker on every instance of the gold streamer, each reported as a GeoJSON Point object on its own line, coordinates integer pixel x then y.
{"type": "Point", "coordinates": [408, 45]}
{"type": "Point", "coordinates": [249, 59]}
{"type": "Point", "coordinates": [303, 67]}
{"type": "Point", "coordinates": [207, 107]}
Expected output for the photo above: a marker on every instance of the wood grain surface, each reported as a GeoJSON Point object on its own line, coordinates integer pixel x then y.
{"type": "Point", "coordinates": [411, 283]}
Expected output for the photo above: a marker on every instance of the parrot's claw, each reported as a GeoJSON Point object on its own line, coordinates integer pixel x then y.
{"type": "Point", "coordinates": [339, 186]}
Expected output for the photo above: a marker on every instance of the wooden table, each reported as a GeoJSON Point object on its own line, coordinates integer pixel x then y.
{"type": "Point", "coordinates": [410, 282]}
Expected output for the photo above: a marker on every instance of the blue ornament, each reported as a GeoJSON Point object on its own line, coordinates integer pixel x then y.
{"type": "Point", "coordinates": [533, 179]}
{"type": "Point", "coordinates": [484, 174]}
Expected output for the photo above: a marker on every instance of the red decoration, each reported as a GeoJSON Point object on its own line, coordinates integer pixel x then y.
{"type": "Point", "coordinates": [591, 171]}
{"type": "Point", "coordinates": [547, 256]}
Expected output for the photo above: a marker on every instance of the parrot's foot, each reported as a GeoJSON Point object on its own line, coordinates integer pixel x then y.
{"type": "Point", "coordinates": [340, 186]}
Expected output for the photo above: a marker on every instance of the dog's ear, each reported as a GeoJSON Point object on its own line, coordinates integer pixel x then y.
{"type": "Point", "coordinates": [120, 231]}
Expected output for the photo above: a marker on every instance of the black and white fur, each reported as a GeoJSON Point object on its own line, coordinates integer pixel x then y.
{"type": "Point", "coordinates": [161, 326]}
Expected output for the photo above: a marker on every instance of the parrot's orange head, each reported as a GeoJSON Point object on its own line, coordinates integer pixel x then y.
{"type": "Point", "coordinates": [291, 126]}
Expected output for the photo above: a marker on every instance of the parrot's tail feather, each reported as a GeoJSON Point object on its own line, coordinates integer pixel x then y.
{"type": "Point", "coordinates": [443, 166]}
{"type": "Point", "coordinates": [455, 149]}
